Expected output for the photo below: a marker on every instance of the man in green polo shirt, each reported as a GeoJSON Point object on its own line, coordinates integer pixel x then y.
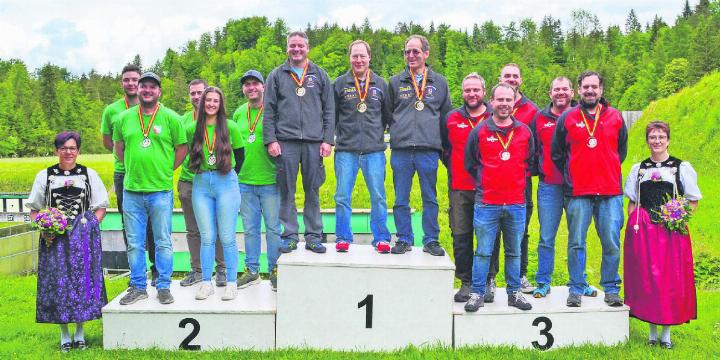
{"type": "Point", "coordinates": [151, 142]}
{"type": "Point", "coordinates": [184, 188]}
{"type": "Point", "coordinates": [260, 195]}
{"type": "Point", "coordinates": [129, 82]}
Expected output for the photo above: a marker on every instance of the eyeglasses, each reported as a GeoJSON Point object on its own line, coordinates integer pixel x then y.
{"type": "Point", "coordinates": [412, 52]}
{"type": "Point", "coordinates": [69, 149]}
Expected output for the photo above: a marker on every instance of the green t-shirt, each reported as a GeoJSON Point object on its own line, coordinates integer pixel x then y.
{"type": "Point", "coordinates": [185, 173]}
{"type": "Point", "coordinates": [236, 142]}
{"type": "Point", "coordinates": [106, 127]}
{"type": "Point", "coordinates": [258, 167]}
{"type": "Point", "coordinates": [149, 169]}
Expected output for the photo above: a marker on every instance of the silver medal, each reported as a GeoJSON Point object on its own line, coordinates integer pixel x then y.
{"type": "Point", "coordinates": [419, 105]}
{"type": "Point", "coordinates": [300, 91]}
{"type": "Point", "coordinates": [592, 142]}
{"type": "Point", "coordinates": [146, 142]}
{"type": "Point", "coordinates": [211, 159]}
{"type": "Point", "coordinates": [251, 138]}
{"type": "Point", "coordinates": [505, 156]}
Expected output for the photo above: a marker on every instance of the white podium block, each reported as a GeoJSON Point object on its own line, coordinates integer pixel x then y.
{"type": "Point", "coordinates": [247, 322]}
{"type": "Point", "coordinates": [549, 325]}
{"type": "Point", "coordinates": [362, 300]}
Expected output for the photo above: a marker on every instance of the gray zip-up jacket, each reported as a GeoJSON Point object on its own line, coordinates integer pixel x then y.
{"type": "Point", "coordinates": [412, 129]}
{"type": "Point", "coordinates": [290, 117]}
{"type": "Point", "coordinates": [356, 131]}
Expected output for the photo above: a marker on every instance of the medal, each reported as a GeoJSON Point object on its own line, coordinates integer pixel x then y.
{"type": "Point", "coordinates": [505, 156]}
{"type": "Point", "coordinates": [362, 95]}
{"type": "Point", "coordinates": [592, 142]}
{"type": "Point", "coordinates": [211, 160]}
{"type": "Point", "coordinates": [300, 90]}
{"type": "Point", "coordinates": [146, 131]}
{"type": "Point", "coordinates": [253, 125]}
{"type": "Point", "coordinates": [419, 92]}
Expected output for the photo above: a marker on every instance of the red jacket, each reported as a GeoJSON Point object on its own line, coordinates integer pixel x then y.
{"type": "Point", "coordinates": [455, 132]}
{"type": "Point", "coordinates": [525, 110]}
{"type": "Point", "coordinates": [590, 171]}
{"type": "Point", "coordinates": [500, 182]}
{"type": "Point", "coordinates": [543, 128]}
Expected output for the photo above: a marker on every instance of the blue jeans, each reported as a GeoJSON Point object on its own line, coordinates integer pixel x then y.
{"type": "Point", "coordinates": [550, 199]}
{"type": "Point", "coordinates": [404, 164]}
{"type": "Point", "coordinates": [216, 200]}
{"type": "Point", "coordinates": [608, 215]}
{"type": "Point", "coordinates": [260, 202]}
{"type": "Point", "coordinates": [137, 208]}
{"type": "Point", "coordinates": [373, 168]}
{"type": "Point", "coordinates": [487, 221]}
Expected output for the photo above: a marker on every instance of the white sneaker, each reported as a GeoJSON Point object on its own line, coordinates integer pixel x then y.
{"type": "Point", "coordinates": [206, 289]}
{"type": "Point", "coordinates": [525, 286]}
{"type": "Point", "coordinates": [231, 291]}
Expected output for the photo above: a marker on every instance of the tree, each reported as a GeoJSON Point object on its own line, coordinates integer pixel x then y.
{"type": "Point", "coordinates": [674, 78]}
{"type": "Point", "coordinates": [632, 23]}
{"type": "Point", "coordinates": [687, 12]}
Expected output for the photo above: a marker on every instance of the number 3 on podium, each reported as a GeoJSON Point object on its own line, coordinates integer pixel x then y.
{"type": "Point", "coordinates": [544, 332]}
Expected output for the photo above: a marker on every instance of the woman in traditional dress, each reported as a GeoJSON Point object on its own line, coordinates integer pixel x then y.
{"type": "Point", "coordinates": [659, 277]}
{"type": "Point", "coordinates": [70, 284]}
{"type": "Point", "coordinates": [216, 155]}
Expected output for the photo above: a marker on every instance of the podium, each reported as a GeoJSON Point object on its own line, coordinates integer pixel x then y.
{"type": "Point", "coordinates": [362, 300]}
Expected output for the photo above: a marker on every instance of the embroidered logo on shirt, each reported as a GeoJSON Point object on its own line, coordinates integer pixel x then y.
{"type": "Point", "coordinates": [462, 125]}
{"type": "Point", "coordinates": [157, 129]}
{"type": "Point", "coordinates": [580, 125]}
{"type": "Point", "coordinates": [491, 139]}
{"type": "Point", "coordinates": [549, 125]}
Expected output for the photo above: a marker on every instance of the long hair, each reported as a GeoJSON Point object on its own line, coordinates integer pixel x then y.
{"type": "Point", "coordinates": [222, 151]}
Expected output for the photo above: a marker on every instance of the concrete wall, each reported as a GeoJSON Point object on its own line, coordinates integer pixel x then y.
{"type": "Point", "coordinates": [18, 249]}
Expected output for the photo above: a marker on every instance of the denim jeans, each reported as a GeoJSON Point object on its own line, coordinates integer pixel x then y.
{"type": "Point", "coordinates": [137, 208]}
{"type": "Point", "coordinates": [550, 200]}
{"type": "Point", "coordinates": [216, 200]}
{"type": "Point", "coordinates": [260, 202]}
{"type": "Point", "coordinates": [118, 183]}
{"type": "Point", "coordinates": [487, 220]}
{"type": "Point", "coordinates": [404, 164]}
{"type": "Point", "coordinates": [607, 211]}
{"type": "Point", "coordinates": [373, 169]}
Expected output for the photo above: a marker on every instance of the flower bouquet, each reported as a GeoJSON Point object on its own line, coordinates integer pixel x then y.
{"type": "Point", "coordinates": [675, 214]}
{"type": "Point", "coordinates": [51, 222]}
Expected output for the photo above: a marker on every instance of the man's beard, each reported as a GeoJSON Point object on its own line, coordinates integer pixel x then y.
{"type": "Point", "coordinates": [589, 105]}
{"type": "Point", "coordinates": [473, 107]}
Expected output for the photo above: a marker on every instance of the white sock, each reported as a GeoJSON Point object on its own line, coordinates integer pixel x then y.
{"type": "Point", "coordinates": [64, 334]}
{"type": "Point", "coordinates": [665, 336]}
{"type": "Point", "coordinates": [653, 332]}
{"type": "Point", "coordinates": [79, 332]}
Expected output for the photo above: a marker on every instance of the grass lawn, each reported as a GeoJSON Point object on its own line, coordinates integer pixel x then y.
{"type": "Point", "coordinates": [21, 337]}
{"type": "Point", "coordinates": [8, 224]}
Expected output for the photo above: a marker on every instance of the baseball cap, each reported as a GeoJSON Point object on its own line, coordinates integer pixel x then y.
{"type": "Point", "coordinates": [150, 75]}
{"type": "Point", "coordinates": [252, 74]}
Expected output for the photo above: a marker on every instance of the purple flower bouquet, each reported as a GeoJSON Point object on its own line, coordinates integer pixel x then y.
{"type": "Point", "coordinates": [51, 222]}
{"type": "Point", "coordinates": [675, 214]}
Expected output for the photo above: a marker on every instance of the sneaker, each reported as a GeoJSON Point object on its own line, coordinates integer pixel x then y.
{"type": "Point", "coordinates": [191, 278]}
{"type": "Point", "coordinates": [589, 291]}
{"type": "Point", "coordinates": [574, 300]}
{"type": "Point", "coordinates": [401, 247]}
{"type": "Point", "coordinates": [206, 289]}
{"type": "Point", "coordinates": [667, 345]}
{"type": "Point", "coordinates": [247, 279]}
{"type": "Point", "coordinates": [518, 300]}
{"type": "Point", "coordinates": [80, 345]}
{"type": "Point", "coordinates": [315, 247]}
{"type": "Point", "coordinates": [475, 302]}
{"type": "Point", "coordinates": [134, 294]}
{"type": "Point", "coordinates": [288, 246]}
{"type": "Point", "coordinates": [165, 297]}
{"type": "Point", "coordinates": [65, 347]}
{"type": "Point", "coordinates": [525, 286]}
{"type": "Point", "coordinates": [490, 291]}
{"type": "Point", "coordinates": [382, 247]}
{"type": "Point", "coordinates": [231, 291]}
{"type": "Point", "coordinates": [463, 295]}
{"type": "Point", "coordinates": [220, 278]}
{"type": "Point", "coordinates": [273, 280]}
{"type": "Point", "coordinates": [541, 291]}
{"type": "Point", "coordinates": [342, 246]}
{"type": "Point", "coordinates": [433, 248]}
{"type": "Point", "coordinates": [613, 300]}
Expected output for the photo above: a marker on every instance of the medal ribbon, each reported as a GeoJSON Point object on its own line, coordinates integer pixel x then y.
{"type": "Point", "coordinates": [598, 108]}
{"type": "Point", "coordinates": [127, 103]}
{"type": "Point", "coordinates": [506, 144]}
{"type": "Point", "coordinates": [302, 77]}
{"type": "Point", "coordinates": [362, 95]}
{"type": "Point", "coordinates": [145, 131]}
{"type": "Point", "coordinates": [480, 118]}
{"type": "Point", "coordinates": [210, 148]}
{"type": "Point", "coordinates": [420, 93]}
{"type": "Point", "coordinates": [252, 126]}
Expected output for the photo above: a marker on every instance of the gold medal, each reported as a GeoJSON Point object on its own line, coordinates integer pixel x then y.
{"type": "Point", "coordinates": [362, 95]}
{"type": "Point", "coordinates": [300, 90]}
{"type": "Point", "coordinates": [592, 142]}
{"type": "Point", "coordinates": [146, 131]}
{"type": "Point", "coordinates": [419, 92]}
{"type": "Point", "coordinates": [362, 107]}
{"type": "Point", "coordinates": [419, 105]}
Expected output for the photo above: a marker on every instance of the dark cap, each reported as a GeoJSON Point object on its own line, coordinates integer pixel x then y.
{"type": "Point", "coordinates": [149, 75]}
{"type": "Point", "coordinates": [252, 74]}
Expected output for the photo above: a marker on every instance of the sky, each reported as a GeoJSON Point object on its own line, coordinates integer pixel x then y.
{"type": "Point", "coordinates": [81, 35]}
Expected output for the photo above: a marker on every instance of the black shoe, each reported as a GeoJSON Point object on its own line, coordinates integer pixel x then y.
{"type": "Point", "coordinates": [474, 303]}
{"type": "Point", "coordinates": [433, 248]}
{"type": "Point", "coordinates": [613, 300]}
{"type": "Point", "coordinates": [574, 300]}
{"type": "Point", "coordinates": [652, 342]}
{"type": "Point", "coordinates": [666, 345]}
{"type": "Point", "coordinates": [490, 291]}
{"type": "Point", "coordinates": [315, 247]}
{"type": "Point", "coordinates": [65, 347]}
{"type": "Point", "coordinates": [288, 246]}
{"type": "Point", "coordinates": [221, 278]}
{"type": "Point", "coordinates": [463, 295]}
{"type": "Point", "coordinates": [518, 300]}
{"type": "Point", "coordinates": [401, 247]}
{"type": "Point", "coordinates": [80, 345]}
{"type": "Point", "coordinates": [133, 295]}
{"type": "Point", "coordinates": [165, 297]}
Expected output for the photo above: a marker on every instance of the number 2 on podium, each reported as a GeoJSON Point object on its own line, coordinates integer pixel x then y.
{"type": "Point", "coordinates": [368, 303]}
